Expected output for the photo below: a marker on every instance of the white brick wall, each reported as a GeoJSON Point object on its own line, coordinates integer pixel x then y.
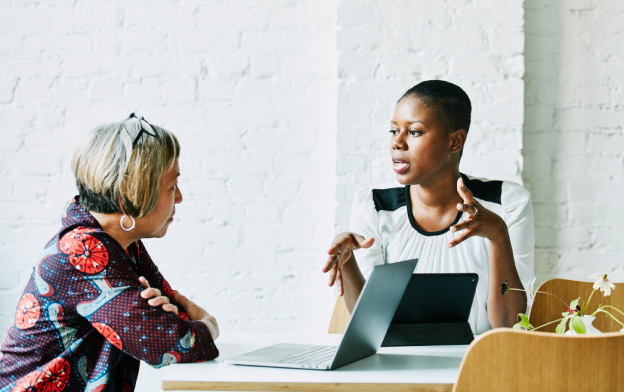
{"type": "Point", "coordinates": [573, 139]}
{"type": "Point", "coordinates": [282, 109]}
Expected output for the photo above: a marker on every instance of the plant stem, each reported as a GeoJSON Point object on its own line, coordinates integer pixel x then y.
{"type": "Point", "coordinates": [601, 309]}
{"type": "Point", "coordinates": [548, 323]}
{"type": "Point", "coordinates": [542, 292]}
{"type": "Point", "coordinates": [587, 303]}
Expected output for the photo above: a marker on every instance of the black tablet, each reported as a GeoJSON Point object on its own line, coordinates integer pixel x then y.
{"type": "Point", "coordinates": [434, 310]}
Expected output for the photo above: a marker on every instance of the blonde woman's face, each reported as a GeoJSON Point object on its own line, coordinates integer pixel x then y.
{"type": "Point", "coordinates": [155, 223]}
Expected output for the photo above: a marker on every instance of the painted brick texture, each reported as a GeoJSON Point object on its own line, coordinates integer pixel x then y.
{"type": "Point", "coordinates": [282, 109]}
{"type": "Point", "coordinates": [573, 139]}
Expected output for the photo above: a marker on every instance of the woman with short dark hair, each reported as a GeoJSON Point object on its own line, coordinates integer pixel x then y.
{"type": "Point", "coordinates": [450, 221]}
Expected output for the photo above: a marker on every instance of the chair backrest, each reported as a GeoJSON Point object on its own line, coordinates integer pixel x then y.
{"type": "Point", "coordinates": [547, 308]}
{"type": "Point", "coordinates": [511, 360]}
{"type": "Point", "coordinates": [340, 317]}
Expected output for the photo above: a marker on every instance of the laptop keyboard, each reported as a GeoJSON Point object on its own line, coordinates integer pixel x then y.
{"type": "Point", "coordinates": [315, 356]}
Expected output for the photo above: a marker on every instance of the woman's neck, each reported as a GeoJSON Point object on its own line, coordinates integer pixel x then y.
{"type": "Point", "coordinates": [439, 195]}
{"type": "Point", "coordinates": [434, 207]}
{"type": "Point", "coordinates": [110, 224]}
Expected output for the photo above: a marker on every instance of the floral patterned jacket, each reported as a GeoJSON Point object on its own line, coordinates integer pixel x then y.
{"type": "Point", "coordinates": [81, 324]}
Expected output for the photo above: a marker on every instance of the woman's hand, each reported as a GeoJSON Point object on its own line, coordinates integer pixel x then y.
{"type": "Point", "coordinates": [481, 222]}
{"type": "Point", "coordinates": [341, 252]}
{"type": "Point", "coordinates": [155, 298]}
{"type": "Point", "coordinates": [502, 311]}
{"type": "Point", "coordinates": [196, 313]}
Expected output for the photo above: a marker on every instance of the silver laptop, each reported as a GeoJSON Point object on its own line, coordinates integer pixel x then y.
{"type": "Point", "coordinates": [369, 322]}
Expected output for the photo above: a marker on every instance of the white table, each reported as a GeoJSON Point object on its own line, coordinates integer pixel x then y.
{"type": "Point", "coordinates": [424, 368]}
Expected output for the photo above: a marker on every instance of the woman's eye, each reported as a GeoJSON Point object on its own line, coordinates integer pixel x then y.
{"type": "Point", "coordinates": [413, 132]}
{"type": "Point", "coordinates": [394, 132]}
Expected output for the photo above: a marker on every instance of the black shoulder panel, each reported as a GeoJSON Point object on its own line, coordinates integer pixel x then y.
{"type": "Point", "coordinates": [390, 199]}
{"type": "Point", "coordinates": [485, 190]}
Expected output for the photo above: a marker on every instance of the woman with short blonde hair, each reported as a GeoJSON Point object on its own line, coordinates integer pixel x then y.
{"type": "Point", "coordinates": [123, 162]}
{"type": "Point", "coordinates": [96, 303]}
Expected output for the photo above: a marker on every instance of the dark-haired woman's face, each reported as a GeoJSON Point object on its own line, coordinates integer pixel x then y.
{"type": "Point", "coordinates": [420, 145]}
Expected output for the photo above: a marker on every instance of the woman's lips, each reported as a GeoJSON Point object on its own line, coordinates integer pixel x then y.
{"type": "Point", "coordinates": [399, 165]}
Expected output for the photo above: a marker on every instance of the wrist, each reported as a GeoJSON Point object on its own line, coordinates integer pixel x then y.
{"type": "Point", "coordinates": [500, 237]}
{"type": "Point", "coordinates": [213, 328]}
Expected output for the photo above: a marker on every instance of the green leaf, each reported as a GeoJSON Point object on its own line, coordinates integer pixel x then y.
{"type": "Point", "coordinates": [524, 322]}
{"type": "Point", "coordinates": [574, 303]}
{"type": "Point", "coordinates": [561, 327]}
{"type": "Point", "coordinates": [578, 325]}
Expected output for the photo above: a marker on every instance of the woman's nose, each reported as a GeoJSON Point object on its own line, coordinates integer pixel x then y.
{"type": "Point", "coordinates": [398, 141]}
{"type": "Point", "coordinates": [178, 195]}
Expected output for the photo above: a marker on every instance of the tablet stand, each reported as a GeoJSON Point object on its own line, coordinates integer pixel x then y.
{"type": "Point", "coordinates": [428, 334]}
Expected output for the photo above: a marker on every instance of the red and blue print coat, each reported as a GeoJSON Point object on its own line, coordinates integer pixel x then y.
{"type": "Point", "coordinates": [81, 324]}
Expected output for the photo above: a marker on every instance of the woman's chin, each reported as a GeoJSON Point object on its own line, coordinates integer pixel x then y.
{"type": "Point", "coordinates": [402, 179]}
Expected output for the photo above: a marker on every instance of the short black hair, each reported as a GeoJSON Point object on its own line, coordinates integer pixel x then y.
{"type": "Point", "coordinates": [448, 101]}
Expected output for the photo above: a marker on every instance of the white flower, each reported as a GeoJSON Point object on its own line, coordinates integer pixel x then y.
{"type": "Point", "coordinates": [602, 283]}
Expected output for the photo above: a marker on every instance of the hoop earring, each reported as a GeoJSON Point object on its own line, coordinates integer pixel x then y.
{"type": "Point", "coordinates": [121, 223]}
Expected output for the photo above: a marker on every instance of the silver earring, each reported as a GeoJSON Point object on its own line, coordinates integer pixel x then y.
{"type": "Point", "coordinates": [121, 223]}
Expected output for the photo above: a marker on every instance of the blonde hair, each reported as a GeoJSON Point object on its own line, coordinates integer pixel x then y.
{"type": "Point", "coordinates": [117, 168]}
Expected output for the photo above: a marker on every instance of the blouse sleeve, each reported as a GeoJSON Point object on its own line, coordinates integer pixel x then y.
{"type": "Point", "coordinates": [518, 214]}
{"type": "Point", "coordinates": [115, 308]}
{"type": "Point", "coordinates": [365, 222]}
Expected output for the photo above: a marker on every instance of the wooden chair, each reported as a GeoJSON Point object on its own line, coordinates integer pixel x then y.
{"type": "Point", "coordinates": [511, 360]}
{"type": "Point", "coordinates": [340, 317]}
{"type": "Point", "coordinates": [547, 308]}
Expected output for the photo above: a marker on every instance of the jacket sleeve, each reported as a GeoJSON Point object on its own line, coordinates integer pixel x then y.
{"type": "Point", "coordinates": [115, 308]}
{"type": "Point", "coordinates": [149, 270]}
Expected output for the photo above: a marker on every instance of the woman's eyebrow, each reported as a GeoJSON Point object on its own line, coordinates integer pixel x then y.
{"type": "Point", "coordinates": [175, 179]}
{"type": "Point", "coordinates": [408, 122]}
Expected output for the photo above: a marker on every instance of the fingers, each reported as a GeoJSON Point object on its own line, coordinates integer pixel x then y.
{"type": "Point", "coordinates": [332, 274]}
{"type": "Point", "coordinates": [349, 241]}
{"type": "Point", "coordinates": [464, 192]}
{"type": "Point", "coordinates": [342, 247]}
{"type": "Point", "coordinates": [340, 252]}
{"type": "Point", "coordinates": [150, 293]}
{"type": "Point", "coordinates": [460, 238]}
{"type": "Point", "coordinates": [171, 308]}
{"type": "Point", "coordinates": [338, 259]}
{"type": "Point", "coordinates": [470, 205]}
{"type": "Point", "coordinates": [331, 261]}
{"type": "Point", "coordinates": [154, 297]}
{"type": "Point", "coordinates": [144, 282]}
{"type": "Point", "coordinates": [339, 280]}
{"type": "Point", "coordinates": [366, 243]}
{"type": "Point", "coordinates": [158, 301]}
{"type": "Point", "coordinates": [468, 226]}
{"type": "Point", "coordinates": [472, 209]}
